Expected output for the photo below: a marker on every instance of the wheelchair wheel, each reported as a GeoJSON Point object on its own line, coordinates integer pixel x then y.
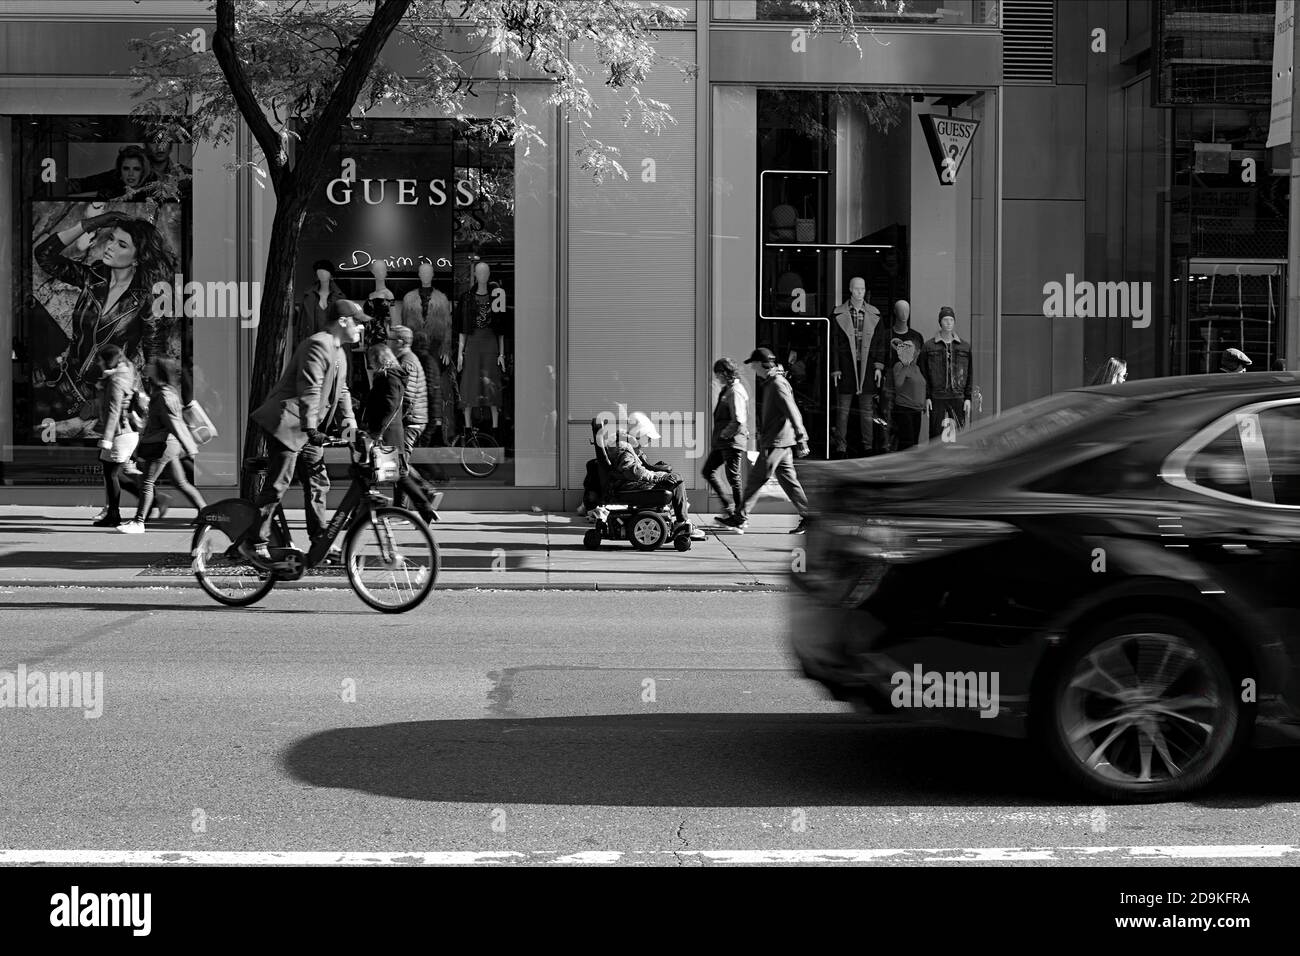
{"type": "Point", "coordinates": [647, 530]}
{"type": "Point", "coordinates": [591, 540]}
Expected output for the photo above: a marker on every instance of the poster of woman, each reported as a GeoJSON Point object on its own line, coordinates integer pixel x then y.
{"type": "Point", "coordinates": [94, 265]}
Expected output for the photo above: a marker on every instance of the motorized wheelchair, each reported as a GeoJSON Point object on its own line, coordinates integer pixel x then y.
{"type": "Point", "coordinates": [642, 518]}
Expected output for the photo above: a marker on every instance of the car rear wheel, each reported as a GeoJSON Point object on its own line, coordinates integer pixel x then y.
{"type": "Point", "coordinates": [1142, 708]}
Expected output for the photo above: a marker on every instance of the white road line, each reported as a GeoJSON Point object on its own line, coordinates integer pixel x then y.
{"type": "Point", "coordinates": [1108, 854]}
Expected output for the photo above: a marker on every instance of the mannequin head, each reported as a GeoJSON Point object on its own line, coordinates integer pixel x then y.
{"type": "Point", "coordinates": [426, 273]}
{"type": "Point", "coordinates": [902, 315]}
{"type": "Point", "coordinates": [857, 290]}
{"type": "Point", "coordinates": [481, 273]}
{"type": "Point", "coordinates": [947, 321]}
{"type": "Point", "coordinates": [379, 269]}
{"type": "Point", "coordinates": [324, 271]}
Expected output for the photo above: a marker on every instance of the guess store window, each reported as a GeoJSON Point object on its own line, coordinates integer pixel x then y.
{"type": "Point", "coordinates": [423, 225]}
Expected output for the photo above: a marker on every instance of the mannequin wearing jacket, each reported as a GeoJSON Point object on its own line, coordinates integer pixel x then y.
{"type": "Point", "coordinates": [852, 326]}
{"type": "Point", "coordinates": [426, 311]}
{"type": "Point", "coordinates": [884, 354]}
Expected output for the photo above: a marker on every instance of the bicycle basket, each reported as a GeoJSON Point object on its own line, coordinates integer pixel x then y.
{"type": "Point", "coordinates": [384, 463]}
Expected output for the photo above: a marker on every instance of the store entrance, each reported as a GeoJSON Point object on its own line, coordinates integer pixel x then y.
{"type": "Point", "coordinates": [1230, 303]}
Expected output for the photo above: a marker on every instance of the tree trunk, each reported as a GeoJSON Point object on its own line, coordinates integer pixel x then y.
{"type": "Point", "coordinates": [275, 313]}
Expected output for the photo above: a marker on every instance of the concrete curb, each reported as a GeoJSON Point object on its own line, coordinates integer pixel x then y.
{"type": "Point", "coordinates": [336, 585]}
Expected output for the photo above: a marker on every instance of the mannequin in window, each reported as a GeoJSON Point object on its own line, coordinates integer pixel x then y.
{"type": "Point", "coordinates": [379, 304]}
{"type": "Point", "coordinates": [317, 309]}
{"type": "Point", "coordinates": [427, 313]}
{"type": "Point", "coordinates": [852, 326]}
{"type": "Point", "coordinates": [481, 355]}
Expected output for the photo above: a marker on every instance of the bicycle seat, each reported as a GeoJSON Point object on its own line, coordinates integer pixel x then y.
{"type": "Point", "coordinates": [256, 464]}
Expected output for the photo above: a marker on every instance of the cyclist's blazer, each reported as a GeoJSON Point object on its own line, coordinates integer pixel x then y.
{"type": "Point", "coordinates": [311, 390]}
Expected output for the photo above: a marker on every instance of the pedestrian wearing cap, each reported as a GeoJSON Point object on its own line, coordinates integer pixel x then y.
{"type": "Point", "coordinates": [312, 391]}
{"type": "Point", "coordinates": [781, 436]}
{"type": "Point", "coordinates": [415, 402]}
{"type": "Point", "coordinates": [946, 364]}
{"type": "Point", "coordinates": [1234, 360]}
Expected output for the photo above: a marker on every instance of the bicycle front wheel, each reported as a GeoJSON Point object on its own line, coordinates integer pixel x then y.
{"type": "Point", "coordinates": [392, 559]}
{"type": "Point", "coordinates": [478, 455]}
{"type": "Point", "coordinates": [225, 574]}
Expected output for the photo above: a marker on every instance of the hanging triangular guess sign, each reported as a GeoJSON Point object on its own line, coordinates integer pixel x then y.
{"type": "Point", "coordinates": [949, 139]}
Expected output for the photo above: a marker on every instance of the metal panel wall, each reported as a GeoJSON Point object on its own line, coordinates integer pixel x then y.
{"type": "Point", "coordinates": [632, 320]}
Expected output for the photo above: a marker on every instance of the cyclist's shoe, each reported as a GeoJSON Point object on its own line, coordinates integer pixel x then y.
{"type": "Point", "coordinates": [257, 553]}
{"type": "Point", "coordinates": [333, 556]}
{"type": "Point", "coordinates": [801, 527]}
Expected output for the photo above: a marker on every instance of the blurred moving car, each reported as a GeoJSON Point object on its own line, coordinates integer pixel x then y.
{"type": "Point", "coordinates": [1113, 572]}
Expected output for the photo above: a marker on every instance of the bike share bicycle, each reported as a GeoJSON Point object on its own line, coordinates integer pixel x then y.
{"type": "Point", "coordinates": [389, 553]}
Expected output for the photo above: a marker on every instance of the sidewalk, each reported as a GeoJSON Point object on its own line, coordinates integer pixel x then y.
{"type": "Point", "coordinates": [57, 547]}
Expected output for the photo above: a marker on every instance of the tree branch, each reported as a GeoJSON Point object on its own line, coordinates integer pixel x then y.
{"type": "Point", "coordinates": [223, 45]}
{"type": "Point", "coordinates": [325, 124]}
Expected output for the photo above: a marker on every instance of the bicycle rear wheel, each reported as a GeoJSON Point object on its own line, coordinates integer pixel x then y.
{"type": "Point", "coordinates": [392, 559]}
{"type": "Point", "coordinates": [223, 573]}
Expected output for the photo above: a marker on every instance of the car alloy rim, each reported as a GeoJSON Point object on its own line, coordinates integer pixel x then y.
{"type": "Point", "coordinates": [1141, 709]}
{"type": "Point", "coordinates": [647, 531]}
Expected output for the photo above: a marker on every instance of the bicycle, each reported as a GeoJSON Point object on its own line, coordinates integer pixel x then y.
{"type": "Point", "coordinates": [396, 577]}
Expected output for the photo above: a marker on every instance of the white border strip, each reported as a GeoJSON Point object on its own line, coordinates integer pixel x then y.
{"type": "Point", "coordinates": [1096, 854]}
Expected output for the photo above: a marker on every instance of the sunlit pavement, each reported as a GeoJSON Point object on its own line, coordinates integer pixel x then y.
{"type": "Point", "coordinates": [530, 727]}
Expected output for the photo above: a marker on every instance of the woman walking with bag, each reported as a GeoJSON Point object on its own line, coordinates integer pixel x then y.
{"type": "Point", "coordinates": [119, 420]}
{"type": "Point", "coordinates": [163, 441]}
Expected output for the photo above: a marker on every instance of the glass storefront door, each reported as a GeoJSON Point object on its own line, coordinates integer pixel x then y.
{"type": "Point", "coordinates": [1229, 303]}
{"type": "Point", "coordinates": [856, 206]}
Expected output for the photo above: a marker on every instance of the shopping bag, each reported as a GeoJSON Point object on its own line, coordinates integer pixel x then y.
{"type": "Point", "coordinates": [199, 424]}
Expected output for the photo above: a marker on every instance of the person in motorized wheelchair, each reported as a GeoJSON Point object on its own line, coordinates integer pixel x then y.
{"type": "Point", "coordinates": [636, 497]}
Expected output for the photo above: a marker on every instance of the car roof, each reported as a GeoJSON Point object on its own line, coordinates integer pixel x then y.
{"type": "Point", "coordinates": [1221, 383]}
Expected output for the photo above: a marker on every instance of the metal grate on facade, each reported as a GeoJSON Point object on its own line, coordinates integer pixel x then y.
{"type": "Point", "coordinates": [1028, 42]}
{"type": "Point", "coordinates": [1213, 52]}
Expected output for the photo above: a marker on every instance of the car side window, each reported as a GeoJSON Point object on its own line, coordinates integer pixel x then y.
{"type": "Point", "coordinates": [1221, 465]}
{"type": "Point", "coordinates": [1279, 428]}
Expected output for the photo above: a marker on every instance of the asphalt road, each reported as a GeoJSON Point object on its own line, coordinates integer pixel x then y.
{"type": "Point", "coordinates": [649, 727]}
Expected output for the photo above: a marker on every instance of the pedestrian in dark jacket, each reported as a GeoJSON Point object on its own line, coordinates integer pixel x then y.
{"type": "Point", "coordinates": [883, 354]}
{"type": "Point", "coordinates": [781, 437]}
{"type": "Point", "coordinates": [163, 440]}
{"type": "Point", "coordinates": [946, 362]}
{"type": "Point", "coordinates": [383, 419]}
{"type": "Point", "coordinates": [730, 435]}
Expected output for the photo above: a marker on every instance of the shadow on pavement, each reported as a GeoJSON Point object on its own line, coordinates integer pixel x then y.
{"type": "Point", "coordinates": [705, 760]}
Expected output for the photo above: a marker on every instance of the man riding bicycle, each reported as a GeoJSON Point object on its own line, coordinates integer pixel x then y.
{"type": "Point", "coordinates": [310, 393]}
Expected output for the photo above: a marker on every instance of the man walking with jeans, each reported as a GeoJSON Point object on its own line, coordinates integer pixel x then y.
{"type": "Point", "coordinates": [781, 437]}
{"type": "Point", "coordinates": [312, 389]}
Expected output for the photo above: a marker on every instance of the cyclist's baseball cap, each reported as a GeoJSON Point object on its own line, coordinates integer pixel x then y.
{"type": "Point", "coordinates": [765, 356]}
{"type": "Point", "coordinates": [347, 309]}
